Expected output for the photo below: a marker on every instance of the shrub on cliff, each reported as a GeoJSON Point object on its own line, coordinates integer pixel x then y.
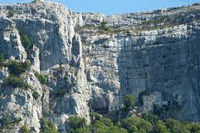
{"type": "Point", "coordinates": [129, 102]}
{"type": "Point", "coordinates": [16, 68]}
{"type": "Point", "coordinates": [176, 126]}
{"type": "Point", "coordinates": [136, 124]}
{"type": "Point", "coordinates": [47, 126]}
{"type": "Point", "coordinates": [16, 82]}
{"type": "Point", "coordinates": [76, 122]}
{"type": "Point", "coordinates": [25, 41]}
{"type": "Point", "coordinates": [41, 77]}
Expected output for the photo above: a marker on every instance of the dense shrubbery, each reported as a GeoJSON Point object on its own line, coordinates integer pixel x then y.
{"type": "Point", "coordinates": [16, 68]}
{"type": "Point", "coordinates": [76, 123]}
{"type": "Point", "coordinates": [16, 82]}
{"type": "Point", "coordinates": [129, 102]}
{"type": "Point", "coordinates": [146, 124]}
{"type": "Point", "coordinates": [41, 77]}
{"type": "Point", "coordinates": [47, 126]}
{"type": "Point", "coordinates": [25, 41]}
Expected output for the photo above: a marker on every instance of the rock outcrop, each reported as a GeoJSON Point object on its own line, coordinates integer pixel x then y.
{"type": "Point", "coordinates": [90, 61]}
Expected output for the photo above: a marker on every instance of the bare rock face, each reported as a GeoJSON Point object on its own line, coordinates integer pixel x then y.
{"type": "Point", "coordinates": [84, 61]}
{"type": "Point", "coordinates": [10, 40]}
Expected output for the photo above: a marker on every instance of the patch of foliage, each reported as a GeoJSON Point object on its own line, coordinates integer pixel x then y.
{"type": "Point", "coordinates": [193, 127]}
{"type": "Point", "coordinates": [25, 41]}
{"type": "Point", "coordinates": [41, 77]}
{"type": "Point", "coordinates": [153, 119]}
{"type": "Point", "coordinates": [24, 129]}
{"type": "Point", "coordinates": [160, 127]}
{"type": "Point", "coordinates": [15, 82]}
{"type": "Point", "coordinates": [129, 102]}
{"type": "Point", "coordinates": [47, 126]}
{"type": "Point", "coordinates": [148, 123]}
{"type": "Point", "coordinates": [16, 68]}
{"type": "Point", "coordinates": [136, 124]}
{"type": "Point", "coordinates": [95, 116]}
{"type": "Point", "coordinates": [99, 125]}
{"type": "Point", "coordinates": [176, 126]}
{"type": "Point", "coordinates": [75, 123]}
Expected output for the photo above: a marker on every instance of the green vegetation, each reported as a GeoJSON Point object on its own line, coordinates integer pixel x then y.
{"type": "Point", "coordinates": [15, 82]}
{"type": "Point", "coordinates": [16, 68]}
{"type": "Point", "coordinates": [160, 127]}
{"type": "Point", "coordinates": [41, 77]}
{"type": "Point", "coordinates": [129, 102]}
{"type": "Point", "coordinates": [148, 123]}
{"type": "Point", "coordinates": [193, 127]}
{"type": "Point", "coordinates": [75, 123]}
{"type": "Point", "coordinates": [47, 126]}
{"type": "Point", "coordinates": [154, 24]}
{"type": "Point", "coordinates": [99, 125]}
{"type": "Point", "coordinates": [24, 129]}
{"type": "Point", "coordinates": [176, 126]}
{"type": "Point", "coordinates": [25, 40]}
{"type": "Point", "coordinates": [136, 124]}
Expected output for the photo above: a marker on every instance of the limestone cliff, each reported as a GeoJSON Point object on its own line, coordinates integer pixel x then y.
{"type": "Point", "coordinates": [91, 60]}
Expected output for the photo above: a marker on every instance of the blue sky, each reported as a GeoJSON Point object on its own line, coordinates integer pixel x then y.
{"type": "Point", "coordinates": [115, 6]}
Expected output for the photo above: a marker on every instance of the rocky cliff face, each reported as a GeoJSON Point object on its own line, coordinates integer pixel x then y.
{"type": "Point", "coordinates": [91, 60]}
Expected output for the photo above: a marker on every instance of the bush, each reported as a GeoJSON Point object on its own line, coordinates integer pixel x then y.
{"type": "Point", "coordinates": [151, 118]}
{"type": "Point", "coordinates": [133, 124]}
{"type": "Point", "coordinates": [105, 125]}
{"type": "Point", "coordinates": [76, 122]}
{"type": "Point", "coordinates": [160, 127]}
{"type": "Point", "coordinates": [47, 126]}
{"type": "Point", "coordinates": [129, 102]}
{"type": "Point", "coordinates": [35, 95]}
{"type": "Point", "coordinates": [193, 127]}
{"type": "Point", "coordinates": [25, 41]}
{"type": "Point", "coordinates": [41, 77]}
{"type": "Point", "coordinates": [95, 116]}
{"type": "Point", "coordinates": [176, 126]}
{"type": "Point", "coordinates": [24, 129]}
{"type": "Point", "coordinates": [17, 68]}
{"type": "Point", "coordinates": [16, 82]}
